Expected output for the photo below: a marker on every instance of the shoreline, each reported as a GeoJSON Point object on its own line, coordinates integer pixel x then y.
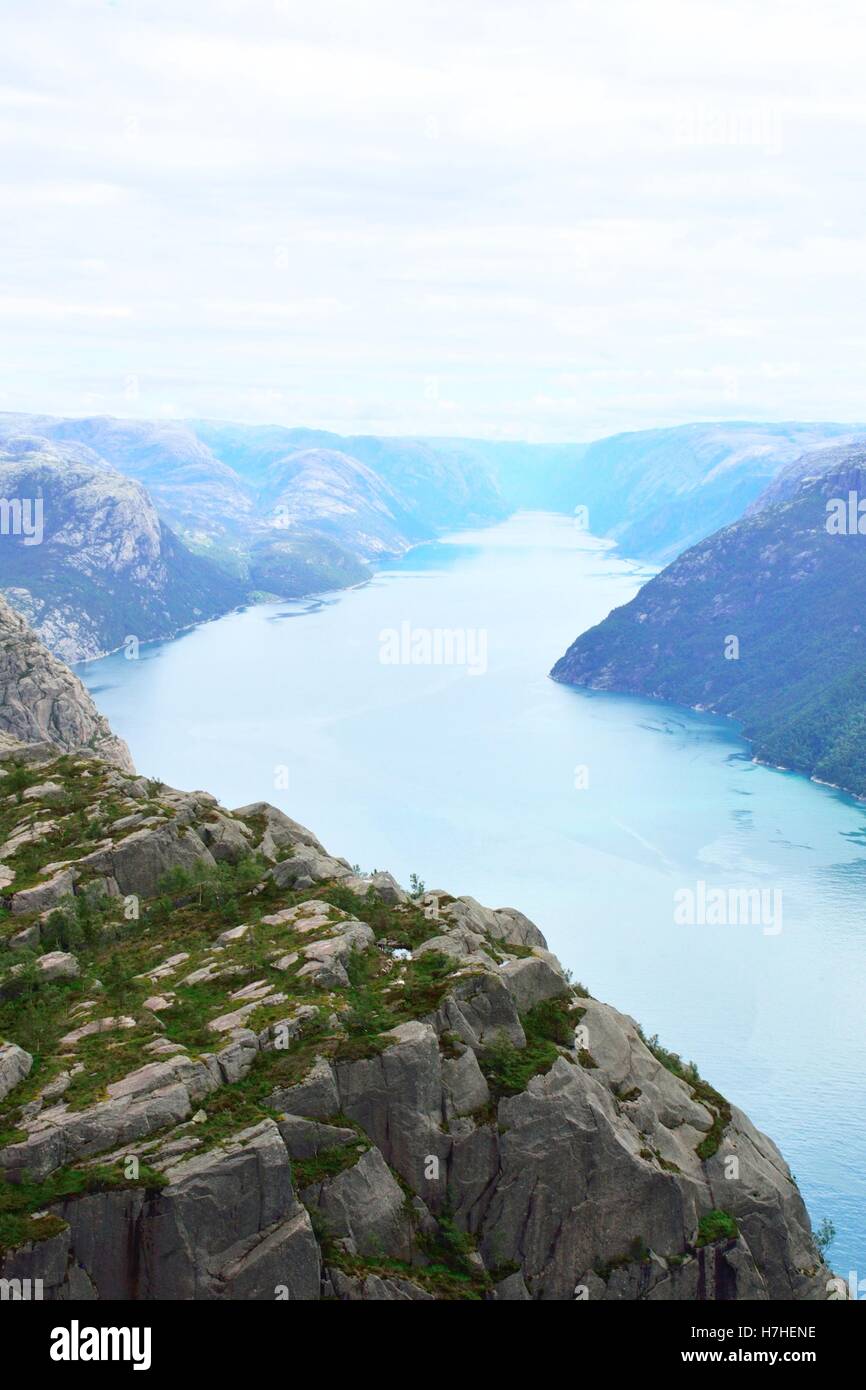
{"type": "Point", "coordinates": [847, 792]}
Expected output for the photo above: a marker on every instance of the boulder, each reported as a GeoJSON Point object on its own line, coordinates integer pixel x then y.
{"type": "Point", "coordinates": [502, 924]}
{"type": "Point", "coordinates": [305, 1138]}
{"type": "Point", "coordinates": [512, 1289]}
{"type": "Point", "coordinates": [53, 965]}
{"type": "Point", "coordinates": [44, 791]}
{"type": "Point", "coordinates": [388, 889]}
{"type": "Point", "coordinates": [531, 981]}
{"type": "Point", "coordinates": [236, 1060]}
{"type": "Point", "coordinates": [464, 1085]}
{"type": "Point", "coordinates": [197, 1076]}
{"type": "Point", "coordinates": [280, 831]}
{"type": "Point", "coordinates": [315, 1096]}
{"type": "Point", "coordinates": [364, 1209]}
{"type": "Point", "coordinates": [44, 896]}
{"type": "Point", "coordinates": [15, 1064]}
{"type": "Point", "coordinates": [306, 867]}
{"type": "Point", "coordinates": [480, 1009]}
{"type": "Point", "coordinates": [143, 858]}
{"type": "Point", "coordinates": [326, 959]}
{"type": "Point", "coordinates": [228, 840]}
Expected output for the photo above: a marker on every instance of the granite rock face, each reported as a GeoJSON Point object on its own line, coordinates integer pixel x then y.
{"type": "Point", "coordinates": [15, 1064]}
{"type": "Point", "coordinates": [42, 701]}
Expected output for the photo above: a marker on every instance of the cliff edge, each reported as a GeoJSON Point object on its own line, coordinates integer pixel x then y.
{"type": "Point", "coordinates": [233, 1067]}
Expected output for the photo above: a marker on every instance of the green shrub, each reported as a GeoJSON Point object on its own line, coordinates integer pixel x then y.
{"type": "Point", "coordinates": [716, 1225]}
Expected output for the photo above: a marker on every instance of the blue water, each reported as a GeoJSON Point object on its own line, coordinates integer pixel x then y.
{"type": "Point", "coordinates": [469, 781]}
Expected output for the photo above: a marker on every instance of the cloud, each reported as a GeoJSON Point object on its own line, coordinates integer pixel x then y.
{"type": "Point", "coordinates": [31, 307]}
{"type": "Point", "coordinates": [305, 214]}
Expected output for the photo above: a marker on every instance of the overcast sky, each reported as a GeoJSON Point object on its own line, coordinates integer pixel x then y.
{"type": "Point", "coordinates": [545, 220]}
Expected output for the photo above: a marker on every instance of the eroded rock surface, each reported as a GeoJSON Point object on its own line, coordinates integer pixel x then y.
{"type": "Point", "coordinates": [41, 701]}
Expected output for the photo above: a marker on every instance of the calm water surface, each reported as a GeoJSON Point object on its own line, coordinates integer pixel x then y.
{"type": "Point", "coordinates": [473, 782]}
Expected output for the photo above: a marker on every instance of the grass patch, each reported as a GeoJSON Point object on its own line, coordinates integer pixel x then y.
{"type": "Point", "coordinates": [553, 1020]}
{"type": "Point", "coordinates": [637, 1253]}
{"type": "Point", "coordinates": [20, 1201]}
{"type": "Point", "coordinates": [328, 1163]}
{"type": "Point", "coordinates": [716, 1225]}
{"type": "Point", "coordinates": [702, 1092]}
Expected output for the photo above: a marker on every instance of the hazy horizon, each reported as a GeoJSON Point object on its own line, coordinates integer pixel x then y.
{"type": "Point", "coordinates": [493, 438]}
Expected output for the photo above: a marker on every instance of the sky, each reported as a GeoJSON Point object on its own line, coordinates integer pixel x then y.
{"type": "Point", "coordinates": [551, 220]}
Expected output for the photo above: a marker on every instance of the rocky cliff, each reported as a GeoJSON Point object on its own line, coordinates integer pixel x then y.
{"type": "Point", "coordinates": [104, 566]}
{"type": "Point", "coordinates": [41, 700]}
{"type": "Point", "coordinates": [232, 1067]}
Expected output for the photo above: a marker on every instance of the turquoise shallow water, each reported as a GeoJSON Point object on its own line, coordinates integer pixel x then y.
{"type": "Point", "coordinates": [587, 811]}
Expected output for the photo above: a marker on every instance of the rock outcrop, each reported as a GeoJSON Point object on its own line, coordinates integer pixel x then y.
{"type": "Point", "coordinates": [41, 701]}
{"type": "Point", "coordinates": [261, 1075]}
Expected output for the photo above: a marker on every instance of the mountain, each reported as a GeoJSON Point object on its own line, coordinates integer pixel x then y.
{"type": "Point", "coordinates": [232, 1067]}
{"type": "Point", "coordinates": [43, 702]}
{"type": "Point", "coordinates": [654, 492]}
{"type": "Point", "coordinates": [156, 525]}
{"type": "Point", "coordinates": [657, 492]}
{"type": "Point", "coordinates": [287, 511]}
{"type": "Point", "coordinates": [829, 463]}
{"type": "Point", "coordinates": [104, 566]}
{"type": "Point", "coordinates": [436, 484]}
{"type": "Point", "coordinates": [791, 590]}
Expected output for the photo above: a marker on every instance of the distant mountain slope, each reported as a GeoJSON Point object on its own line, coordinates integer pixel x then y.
{"type": "Point", "coordinates": [106, 566]}
{"type": "Point", "coordinates": [653, 491]}
{"type": "Point", "coordinates": [793, 595]}
{"type": "Point", "coordinates": [192, 489]}
{"type": "Point", "coordinates": [287, 511]}
{"type": "Point", "coordinates": [829, 462]}
{"type": "Point", "coordinates": [657, 492]}
{"type": "Point", "coordinates": [434, 483]}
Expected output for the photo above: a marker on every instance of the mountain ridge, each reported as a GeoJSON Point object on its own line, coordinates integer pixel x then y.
{"type": "Point", "coordinates": [106, 567]}
{"type": "Point", "coordinates": [246, 513]}
{"type": "Point", "coordinates": [760, 622]}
